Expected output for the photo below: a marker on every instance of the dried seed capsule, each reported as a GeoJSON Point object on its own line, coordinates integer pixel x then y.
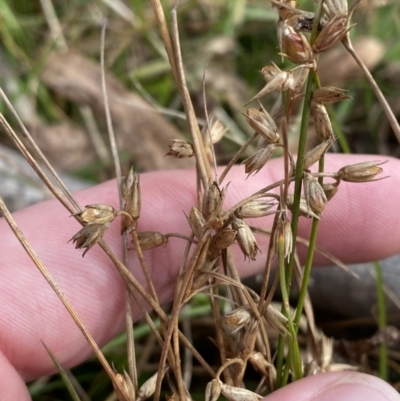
{"type": "Point", "coordinates": [332, 33]}
{"type": "Point", "coordinates": [331, 189]}
{"type": "Point", "coordinates": [314, 193]}
{"type": "Point", "coordinates": [257, 160]}
{"type": "Point", "coordinates": [270, 71]}
{"type": "Point", "coordinates": [263, 124]}
{"type": "Point", "coordinates": [361, 172]}
{"type": "Point", "coordinates": [294, 45]}
{"type": "Point", "coordinates": [276, 319]}
{"type": "Point", "coordinates": [237, 319]}
{"type": "Point", "coordinates": [97, 214]}
{"type": "Point", "coordinates": [196, 222]}
{"type": "Point", "coordinates": [126, 383]}
{"type": "Point", "coordinates": [305, 210]}
{"type": "Point", "coordinates": [89, 235]}
{"type": "Point", "coordinates": [322, 122]}
{"type": "Point", "coordinates": [245, 238]}
{"type": "Point", "coordinates": [217, 131]}
{"type": "Point", "coordinates": [213, 200]}
{"type": "Point", "coordinates": [223, 239]}
{"type": "Point", "coordinates": [148, 387]}
{"type": "Point", "coordinates": [314, 154]}
{"type": "Point", "coordinates": [238, 393]}
{"type": "Point", "coordinates": [126, 184]}
{"type": "Point", "coordinates": [260, 363]}
{"type": "Point", "coordinates": [336, 7]}
{"type": "Point", "coordinates": [133, 203]}
{"type": "Point", "coordinates": [299, 78]}
{"type": "Point", "coordinates": [280, 82]}
{"type": "Point", "coordinates": [283, 231]}
{"type": "Point", "coordinates": [213, 390]}
{"type": "Point", "coordinates": [329, 94]}
{"type": "Point", "coordinates": [180, 149]}
{"type": "Point", "coordinates": [255, 208]}
{"type": "Point", "coordinates": [151, 239]}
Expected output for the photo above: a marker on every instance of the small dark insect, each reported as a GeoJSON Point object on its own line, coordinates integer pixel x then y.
{"type": "Point", "coordinates": [305, 24]}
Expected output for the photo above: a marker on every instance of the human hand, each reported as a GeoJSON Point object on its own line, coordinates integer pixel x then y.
{"type": "Point", "coordinates": [360, 224]}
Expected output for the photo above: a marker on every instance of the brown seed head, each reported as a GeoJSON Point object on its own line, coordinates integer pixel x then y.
{"type": "Point", "coordinates": [331, 189]}
{"type": "Point", "coordinates": [283, 231]}
{"type": "Point", "coordinates": [133, 202]}
{"type": "Point", "coordinates": [280, 82]}
{"type": "Point", "coordinates": [151, 239]}
{"type": "Point", "coordinates": [329, 94]}
{"type": "Point", "coordinates": [322, 122]}
{"type": "Point", "coordinates": [305, 210]}
{"type": "Point", "coordinates": [263, 124]}
{"type": "Point", "coordinates": [270, 71]}
{"type": "Point", "coordinates": [314, 193]}
{"type": "Point", "coordinates": [223, 239]}
{"type": "Point", "coordinates": [237, 319]}
{"type": "Point", "coordinates": [97, 214]}
{"type": "Point", "coordinates": [217, 131]}
{"type": "Point", "coordinates": [276, 319]}
{"type": "Point", "coordinates": [254, 163]}
{"type": "Point", "coordinates": [361, 172]}
{"type": "Point", "coordinates": [180, 149]}
{"type": "Point", "coordinates": [332, 33]}
{"type": "Point", "coordinates": [299, 78]}
{"type": "Point", "coordinates": [245, 238]}
{"type": "Point", "coordinates": [89, 235]}
{"type": "Point", "coordinates": [213, 200]}
{"type": "Point", "coordinates": [213, 390]}
{"type": "Point", "coordinates": [196, 222]}
{"type": "Point", "coordinates": [238, 393]}
{"type": "Point", "coordinates": [314, 154]}
{"type": "Point", "coordinates": [126, 184]}
{"type": "Point", "coordinates": [255, 208]}
{"type": "Point", "coordinates": [260, 363]}
{"type": "Point", "coordinates": [294, 45]}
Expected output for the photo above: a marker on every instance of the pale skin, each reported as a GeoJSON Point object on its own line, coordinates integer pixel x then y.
{"type": "Point", "coordinates": [360, 224]}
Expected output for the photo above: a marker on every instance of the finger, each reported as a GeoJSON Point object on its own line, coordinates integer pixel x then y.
{"type": "Point", "coordinates": [360, 223]}
{"type": "Point", "coordinates": [344, 386]}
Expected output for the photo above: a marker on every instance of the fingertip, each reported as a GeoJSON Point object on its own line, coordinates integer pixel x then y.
{"type": "Point", "coordinates": [343, 386]}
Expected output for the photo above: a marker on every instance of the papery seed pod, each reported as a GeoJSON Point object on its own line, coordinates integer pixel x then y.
{"type": "Point", "coordinates": [148, 387]}
{"type": "Point", "coordinates": [180, 149]}
{"type": "Point", "coordinates": [213, 200]}
{"type": "Point", "coordinates": [336, 7]}
{"type": "Point", "coordinates": [280, 82]}
{"type": "Point", "coordinates": [260, 364]}
{"type": "Point", "coordinates": [270, 71]}
{"type": "Point", "coordinates": [126, 184]}
{"type": "Point", "coordinates": [89, 235]}
{"type": "Point", "coordinates": [254, 163]}
{"type": "Point", "coordinates": [213, 390]}
{"type": "Point", "coordinates": [237, 319]}
{"type": "Point", "coordinates": [151, 239]}
{"type": "Point", "coordinates": [245, 238]}
{"type": "Point", "coordinates": [255, 208]}
{"type": "Point", "coordinates": [331, 189]}
{"type": "Point", "coordinates": [238, 393]}
{"type": "Point", "coordinates": [322, 122]}
{"type": "Point", "coordinates": [276, 319]}
{"type": "Point", "coordinates": [332, 33]}
{"type": "Point", "coordinates": [329, 94]}
{"type": "Point", "coordinates": [132, 204]}
{"type": "Point", "coordinates": [263, 124]}
{"type": "Point", "coordinates": [361, 172]}
{"type": "Point", "coordinates": [223, 239]}
{"type": "Point", "coordinates": [305, 210]}
{"type": "Point", "coordinates": [294, 45]}
{"type": "Point", "coordinates": [217, 131]}
{"type": "Point", "coordinates": [314, 193]}
{"type": "Point", "coordinates": [283, 232]}
{"type": "Point", "coordinates": [314, 154]}
{"type": "Point", "coordinates": [299, 78]}
{"type": "Point", "coordinates": [196, 222]}
{"type": "Point", "coordinates": [127, 385]}
{"type": "Point", "coordinates": [97, 214]}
